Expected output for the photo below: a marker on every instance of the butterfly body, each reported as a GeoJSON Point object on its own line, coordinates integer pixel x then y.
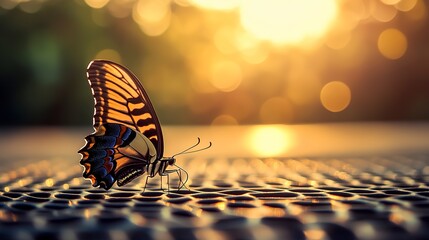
{"type": "Point", "coordinates": [127, 141]}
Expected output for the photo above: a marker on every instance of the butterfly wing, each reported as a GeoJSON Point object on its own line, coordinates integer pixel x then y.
{"type": "Point", "coordinates": [127, 134]}
{"type": "Point", "coordinates": [115, 152]}
{"type": "Point", "coordinates": [120, 98]}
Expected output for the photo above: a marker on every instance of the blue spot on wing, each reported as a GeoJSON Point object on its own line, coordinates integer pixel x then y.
{"type": "Point", "coordinates": [95, 154]}
{"type": "Point", "coordinates": [105, 142]}
{"type": "Point", "coordinates": [98, 155]}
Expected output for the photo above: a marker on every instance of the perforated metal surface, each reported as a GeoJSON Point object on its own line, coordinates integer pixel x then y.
{"type": "Point", "coordinates": [343, 198]}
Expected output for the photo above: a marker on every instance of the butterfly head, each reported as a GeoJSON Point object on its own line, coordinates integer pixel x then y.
{"type": "Point", "coordinates": [170, 161]}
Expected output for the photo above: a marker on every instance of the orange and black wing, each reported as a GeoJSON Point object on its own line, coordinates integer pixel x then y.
{"type": "Point", "coordinates": [120, 98]}
{"type": "Point", "coordinates": [109, 156]}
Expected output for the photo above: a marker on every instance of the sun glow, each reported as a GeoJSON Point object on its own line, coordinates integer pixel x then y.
{"type": "Point", "coordinates": [217, 4]}
{"type": "Point", "coordinates": [289, 21]}
{"type": "Point", "coordinates": [270, 140]}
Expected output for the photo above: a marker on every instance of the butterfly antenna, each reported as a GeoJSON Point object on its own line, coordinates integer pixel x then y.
{"type": "Point", "coordinates": [189, 148]}
{"type": "Point", "coordinates": [201, 149]}
{"type": "Point", "coordinates": [196, 144]}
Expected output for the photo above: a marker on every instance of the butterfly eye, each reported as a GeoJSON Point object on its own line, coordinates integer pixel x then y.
{"type": "Point", "coordinates": [171, 161]}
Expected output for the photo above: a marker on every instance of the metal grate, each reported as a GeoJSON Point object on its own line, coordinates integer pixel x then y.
{"type": "Point", "coordinates": [337, 198]}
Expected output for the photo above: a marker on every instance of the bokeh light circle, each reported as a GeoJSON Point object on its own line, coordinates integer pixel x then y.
{"type": "Point", "coordinates": [96, 3]}
{"type": "Point", "coordinates": [226, 76]}
{"type": "Point", "coordinates": [392, 43]}
{"type": "Point", "coordinates": [224, 119]}
{"type": "Point", "coordinates": [335, 96]}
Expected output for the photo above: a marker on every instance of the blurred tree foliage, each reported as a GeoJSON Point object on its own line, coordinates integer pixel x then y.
{"type": "Point", "coordinates": [44, 56]}
{"type": "Point", "coordinates": [44, 53]}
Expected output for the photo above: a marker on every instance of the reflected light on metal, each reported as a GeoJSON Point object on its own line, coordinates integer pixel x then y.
{"type": "Point", "coordinates": [314, 234]}
{"type": "Point", "coordinates": [49, 182]}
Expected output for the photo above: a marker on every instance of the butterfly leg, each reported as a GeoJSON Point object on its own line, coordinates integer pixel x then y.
{"type": "Point", "coordinates": [168, 183]}
{"type": "Point", "coordinates": [168, 180]}
{"type": "Point", "coordinates": [182, 183]}
{"type": "Point", "coordinates": [162, 189]}
{"type": "Point", "coordinates": [145, 184]}
{"type": "Point", "coordinates": [179, 173]}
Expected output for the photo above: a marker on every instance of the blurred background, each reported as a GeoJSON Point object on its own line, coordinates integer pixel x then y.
{"type": "Point", "coordinates": [219, 61]}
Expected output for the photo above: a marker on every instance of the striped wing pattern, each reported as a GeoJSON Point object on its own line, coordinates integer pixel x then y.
{"type": "Point", "coordinates": [120, 98]}
{"type": "Point", "coordinates": [106, 156]}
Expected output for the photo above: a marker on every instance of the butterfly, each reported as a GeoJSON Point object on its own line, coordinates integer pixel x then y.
{"type": "Point", "coordinates": [127, 141]}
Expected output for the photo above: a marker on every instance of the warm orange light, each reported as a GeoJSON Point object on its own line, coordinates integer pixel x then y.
{"type": "Point", "coordinates": [153, 16]}
{"type": "Point", "coordinates": [289, 21]}
{"type": "Point", "coordinates": [406, 5]}
{"type": "Point", "coordinates": [49, 182]}
{"type": "Point", "coordinates": [270, 140]}
{"type": "Point", "coordinates": [338, 40]}
{"type": "Point", "coordinates": [224, 119]}
{"type": "Point", "coordinates": [304, 84]}
{"type": "Point", "coordinates": [276, 110]}
{"type": "Point", "coordinates": [382, 12]}
{"type": "Point", "coordinates": [416, 12]}
{"type": "Point", "coordinates": [335, 96]}
{"type": "Point", "coordinates": [226, 76]}
{"type": "Point", "coordinates": [216, 4]}
{"type": "Point", "coordinates": [315, 234]}
{"type": "Point", "coordinates": [390, 2]}
{"type": "Point", "coordinates": [96, 3]}
{"type": "Point", "coordinates": [392, 43]}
